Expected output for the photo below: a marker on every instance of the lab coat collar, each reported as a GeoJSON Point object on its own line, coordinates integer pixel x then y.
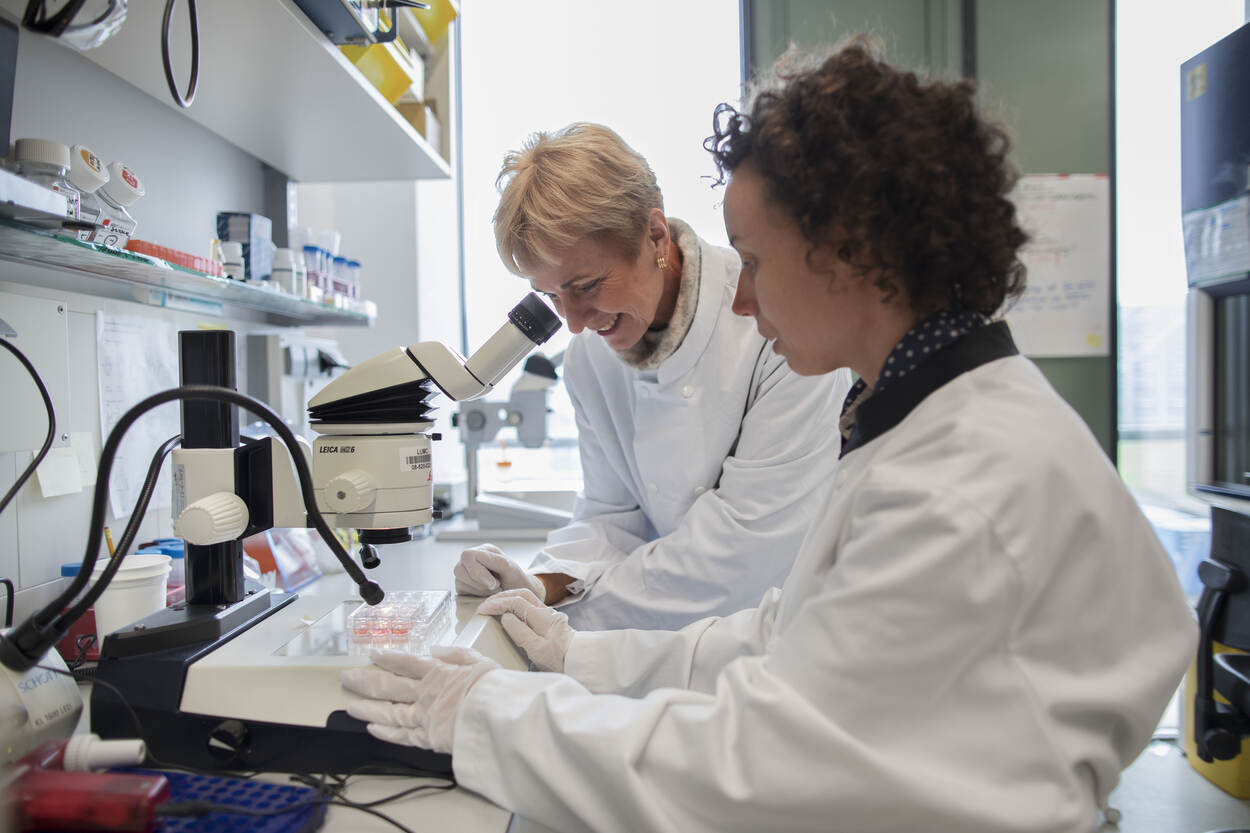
{"type": "Point", "coordinates": [718, 273]}
{"type": "Point", "coordinates": [886, 408]}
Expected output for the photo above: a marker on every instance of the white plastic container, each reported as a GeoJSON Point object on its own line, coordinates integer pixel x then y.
{"type": "Point", "coordinates": [88, 174]}
{"type": "Point", "coordinates": [232, 259]}
{"type": "Point", "coordinates": [46, 163]}
{"type": "Point", "coordinates": [122, 189]}
{"type": "Point", "coordinates": [137, 590]}
{"type": "Point", "coordinates": [284, 270]}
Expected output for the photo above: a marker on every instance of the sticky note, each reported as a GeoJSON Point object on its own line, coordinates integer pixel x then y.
{"type": "Point", "coordinates": [58, 473]}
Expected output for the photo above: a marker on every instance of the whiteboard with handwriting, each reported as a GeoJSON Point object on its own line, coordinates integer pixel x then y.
{"type": "Point", "coordinates": [1066, 309]}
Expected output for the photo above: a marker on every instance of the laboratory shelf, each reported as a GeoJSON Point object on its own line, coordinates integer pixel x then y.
{"type": "Point", "coordinates": [82, 267]}
{"type": "Point", "coordinates": [272, 84]}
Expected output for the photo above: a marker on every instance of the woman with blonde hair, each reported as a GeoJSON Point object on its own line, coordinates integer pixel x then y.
{"type": "Point", "coordinates": [703, 454]}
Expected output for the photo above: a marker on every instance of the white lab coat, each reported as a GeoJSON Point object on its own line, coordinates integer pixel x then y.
{"type": "Point", "coordinates": [701, 477]}
{"type": "Point", "coordinates": [978, 635]}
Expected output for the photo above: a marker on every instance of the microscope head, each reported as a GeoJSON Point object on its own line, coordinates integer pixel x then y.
{"type": "Point", "coordinates": [391, 391]}
{"type": "Point", "coordinates": [371, 464]}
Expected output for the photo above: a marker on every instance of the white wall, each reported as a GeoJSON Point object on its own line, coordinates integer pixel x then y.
{"type": "Point", "coordinates": [190, 174]}
{"type": "Point", "coordinates": [387, 251]}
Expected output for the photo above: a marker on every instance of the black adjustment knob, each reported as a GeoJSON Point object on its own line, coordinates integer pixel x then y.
{"type": "Point", "coordinates": [1221, 744]}
{"type": "Point", "coordinates": [227, 742]}
{"type": "Point", "coordinates": [369, 556]}
{"type": "Point", "coordinates": [436, 514]}
{"type": "Point", "coordinates": [436, 436]}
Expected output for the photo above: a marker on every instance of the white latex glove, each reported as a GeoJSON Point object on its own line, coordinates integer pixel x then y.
{"type": "Point", "coordinates": [484, 569]}
{"type": "Point", "coordinates": [413, 701]}
{"type": "Point", "coordinates": [542, 632]}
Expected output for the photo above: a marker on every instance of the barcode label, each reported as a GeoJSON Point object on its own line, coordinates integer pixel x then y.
{"type": "Point", "coordinates": [414, 459]}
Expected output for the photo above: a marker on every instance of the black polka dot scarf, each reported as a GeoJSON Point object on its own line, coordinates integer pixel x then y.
{"type": "Point", "coordinates": [923, 340]}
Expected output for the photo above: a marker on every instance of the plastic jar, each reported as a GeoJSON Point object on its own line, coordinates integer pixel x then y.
{"type": "Point", "coordinates": [232, 260]}
{"type": "Point", "coordinates": [312, 263]}
{"type": "Point", "coordinates": [353, 271]}
{"type": "Point", "coordinates": [87, 173]}
{"type": "Point", "coordinates": [339, 280]}
{"type": "Point", "coordinates": [283, 272]}
{"type": "Point", "coordinates": [301, 274]}
{"type": "Point", "coordinates": [46, 163]}
{"type": "Point", "coordinates": [122, 189]}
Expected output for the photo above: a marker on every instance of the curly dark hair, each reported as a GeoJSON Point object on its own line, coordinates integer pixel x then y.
{"type": "Point", "coordinates": [901, 176]}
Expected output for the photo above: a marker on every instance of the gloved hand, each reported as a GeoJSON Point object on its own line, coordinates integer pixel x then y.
{"type": "Point", "coordinates": [542, 632]}
{"type": "Point", "coordinates": [484, 569]}
{"type": "Point", "coordinates": [414, 700]}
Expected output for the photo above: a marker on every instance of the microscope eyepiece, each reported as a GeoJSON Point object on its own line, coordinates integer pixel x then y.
{"type": "Point", "coordinates": [534, 318]}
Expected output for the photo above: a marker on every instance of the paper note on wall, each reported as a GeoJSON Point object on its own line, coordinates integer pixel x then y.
{"type": "Point", "coordinates": [58, 473]}
{"type": "Point", "coordinates": [1066, 309]}
{"type": "Point", "coordinates": [138, 357]}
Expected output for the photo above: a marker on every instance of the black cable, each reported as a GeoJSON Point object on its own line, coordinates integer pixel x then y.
{"type": "Point", "coordinates": [73, 614]}
{"type": "Point", "coordinates": [21, 648]}
{"type": "Point", "coordinates": [193, 84]}
{"type": "Point", "coordinates": [8, 606]}
{"type": "Point", "coordinates": [36, 17]}
{"type": "Point", "coordinates": [202, 808]}
{"type": "Point", "coordinates": [83, 643]}
{"type": "Point", "coordinates": [47, 443]}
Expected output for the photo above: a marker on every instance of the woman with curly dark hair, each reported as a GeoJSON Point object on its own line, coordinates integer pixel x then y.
{"type": "Point", "coordinates": [980, 630]}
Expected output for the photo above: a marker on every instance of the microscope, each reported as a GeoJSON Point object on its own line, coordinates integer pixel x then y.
{"type": "Point", "coordinates": [227, 680]}
{"type": "Point", "coordinates": [371, 461]}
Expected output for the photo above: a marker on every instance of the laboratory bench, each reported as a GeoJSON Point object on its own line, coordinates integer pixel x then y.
{"type": "Point", "coordinates": [1158, 793]}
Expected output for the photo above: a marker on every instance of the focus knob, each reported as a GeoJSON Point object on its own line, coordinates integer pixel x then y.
{"type": "Point", "coordinates": [213, 519]}
{"type": "Point", "coordinates": [228, 741]}
{"type": "Point", "coordinates": [350, 491]}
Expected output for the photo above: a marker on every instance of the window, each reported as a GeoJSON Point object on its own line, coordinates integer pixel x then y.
{"type": "Point", "coordinates": [1152, 40]}
{"type": "Point", "coordinates": [652, 71]}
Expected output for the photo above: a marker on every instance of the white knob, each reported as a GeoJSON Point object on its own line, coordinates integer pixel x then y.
{"type": "Point", "coordinates": [221, 516]}
{"type": "Point", "coordinates": [350, 491]}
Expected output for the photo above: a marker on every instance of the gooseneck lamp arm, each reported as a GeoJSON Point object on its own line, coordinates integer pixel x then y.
{"type": "Point", "coordinates": [22, 648]}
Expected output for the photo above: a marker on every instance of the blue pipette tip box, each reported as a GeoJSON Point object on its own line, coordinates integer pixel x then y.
{"type": "Point", "coordinates": [244, 794]}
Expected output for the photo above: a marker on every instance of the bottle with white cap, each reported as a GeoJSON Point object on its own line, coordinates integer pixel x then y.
{"type": "Point", "coordinates": [46, 163]}
{"type": "Point", "coordinates": [116, 224]}
{"type": "Point", "coordinates": [87, 173]}
{"type": "Point", "coordinates": [232, 260]}
{"type": "Point", "coordinates": [285, 271]}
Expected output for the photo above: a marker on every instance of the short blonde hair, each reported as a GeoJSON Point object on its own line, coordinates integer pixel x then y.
{"type": "Point", "coordinates": [582, 181]}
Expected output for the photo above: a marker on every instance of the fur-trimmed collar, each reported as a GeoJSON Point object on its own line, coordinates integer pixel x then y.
{"type": "Point", "coordinates": [657, 345]}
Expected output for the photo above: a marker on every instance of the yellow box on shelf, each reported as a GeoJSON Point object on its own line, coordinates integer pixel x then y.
{"type": "Point", "coordinates": [422, 117]}
{"type": "Point", "coordinates": [388, 66]}
{"type": "Point", "coordinates": [437, 17]}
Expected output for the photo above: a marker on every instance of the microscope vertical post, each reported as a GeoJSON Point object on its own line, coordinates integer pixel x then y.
{"type": "Point", "coordinates": [206, 357]}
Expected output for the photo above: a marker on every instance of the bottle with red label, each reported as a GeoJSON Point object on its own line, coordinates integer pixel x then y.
{"type": "Point", "coordinates": [46, 163]}
{"type": "Point", "coordinates": [88, 174]}
{"type": "Point", "coordinates": [116, 225]}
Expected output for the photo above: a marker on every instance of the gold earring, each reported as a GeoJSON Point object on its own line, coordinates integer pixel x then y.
{"type": "Point", "coordinates": [661, 262]}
